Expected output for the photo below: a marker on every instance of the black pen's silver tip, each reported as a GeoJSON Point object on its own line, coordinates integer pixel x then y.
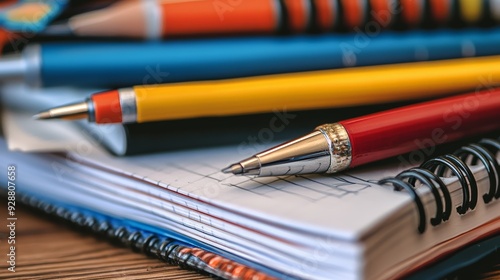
{"type": "Point", "coordinates": [235, 169]}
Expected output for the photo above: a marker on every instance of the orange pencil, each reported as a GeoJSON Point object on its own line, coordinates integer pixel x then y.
{"type": "Point", "coordinates": [155, 19]}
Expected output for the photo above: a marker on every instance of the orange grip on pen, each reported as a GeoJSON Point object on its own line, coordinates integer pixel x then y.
{"type": "Point", "coordinates": [219, 16]}
{"type": "Point", "coordinates": [107, 107]}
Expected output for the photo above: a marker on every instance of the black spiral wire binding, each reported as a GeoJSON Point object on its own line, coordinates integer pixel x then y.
{"type": "Point", "coordinates": [462, 172]}
{"type": "Point", "coordinates": [162, 248]}
{"type": "Point", "coordinates": [442, 186]}
{"type": "Point", "coordinates": [494, 147]}
{"type": "Point", "coordinates": [399, 185]}
{"type": "Point", "coordinates": [86, 223]}
{"type": "Point", "coordinates": [489, 162]}
{"type": "Point", "coordinates": [415, 174]}
{"type": "Point", "coordinates": [430, 173]}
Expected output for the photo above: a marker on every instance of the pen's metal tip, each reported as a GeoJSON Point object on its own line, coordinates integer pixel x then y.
{"type": "Point", "coordinates": [234, 169]}
{"type": "Point", "coordinates": [42, 116]}
{"type": "Point", "coordinates": [68, 112]}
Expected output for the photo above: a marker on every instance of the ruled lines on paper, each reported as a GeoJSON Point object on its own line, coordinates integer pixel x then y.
{"type": "Point", "coordinates": [310, 188]}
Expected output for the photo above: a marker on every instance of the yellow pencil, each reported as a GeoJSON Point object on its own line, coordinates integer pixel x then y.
{"type": "Point", "coordinates": [296, 91]}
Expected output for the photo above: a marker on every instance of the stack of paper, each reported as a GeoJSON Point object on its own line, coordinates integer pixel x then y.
{"type": "Point", "coordinates": [343, 226]}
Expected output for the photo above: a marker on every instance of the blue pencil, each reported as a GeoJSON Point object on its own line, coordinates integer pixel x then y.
{"type": "Point", "coordinates": [119, 64]}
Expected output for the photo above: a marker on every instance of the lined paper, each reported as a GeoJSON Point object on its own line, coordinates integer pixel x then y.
{"type": "Point", "coordinates": [196, 174]}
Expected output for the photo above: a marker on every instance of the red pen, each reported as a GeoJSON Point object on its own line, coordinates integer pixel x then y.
{"type": "Point", "coordinates": [353, 142]}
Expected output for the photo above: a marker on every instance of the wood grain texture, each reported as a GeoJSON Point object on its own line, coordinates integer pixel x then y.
{"type": "Point", "coordinates": [46, 250]}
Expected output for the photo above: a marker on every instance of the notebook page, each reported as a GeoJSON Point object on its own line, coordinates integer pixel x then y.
{"type": "Point", "coordinates": [314, 203]}
{"type": "Point", "coordinates": [109, 199]}
{"type": "Point", "coordinates": [172, 167]}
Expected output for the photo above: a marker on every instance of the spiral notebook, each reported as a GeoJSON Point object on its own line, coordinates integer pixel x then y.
{"type": "Point", "coordinates": [346, 226]}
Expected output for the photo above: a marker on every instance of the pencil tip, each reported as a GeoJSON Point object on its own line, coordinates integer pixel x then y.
{"type": "Point", "coordinates": [234, 169]}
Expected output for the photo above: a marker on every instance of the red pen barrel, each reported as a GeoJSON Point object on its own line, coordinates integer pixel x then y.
{"type": "Point", "coordinates": [422, 126]}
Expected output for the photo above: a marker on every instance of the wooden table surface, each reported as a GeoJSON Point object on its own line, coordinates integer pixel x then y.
{"type": "Point", "coordinates": [47, 250]}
